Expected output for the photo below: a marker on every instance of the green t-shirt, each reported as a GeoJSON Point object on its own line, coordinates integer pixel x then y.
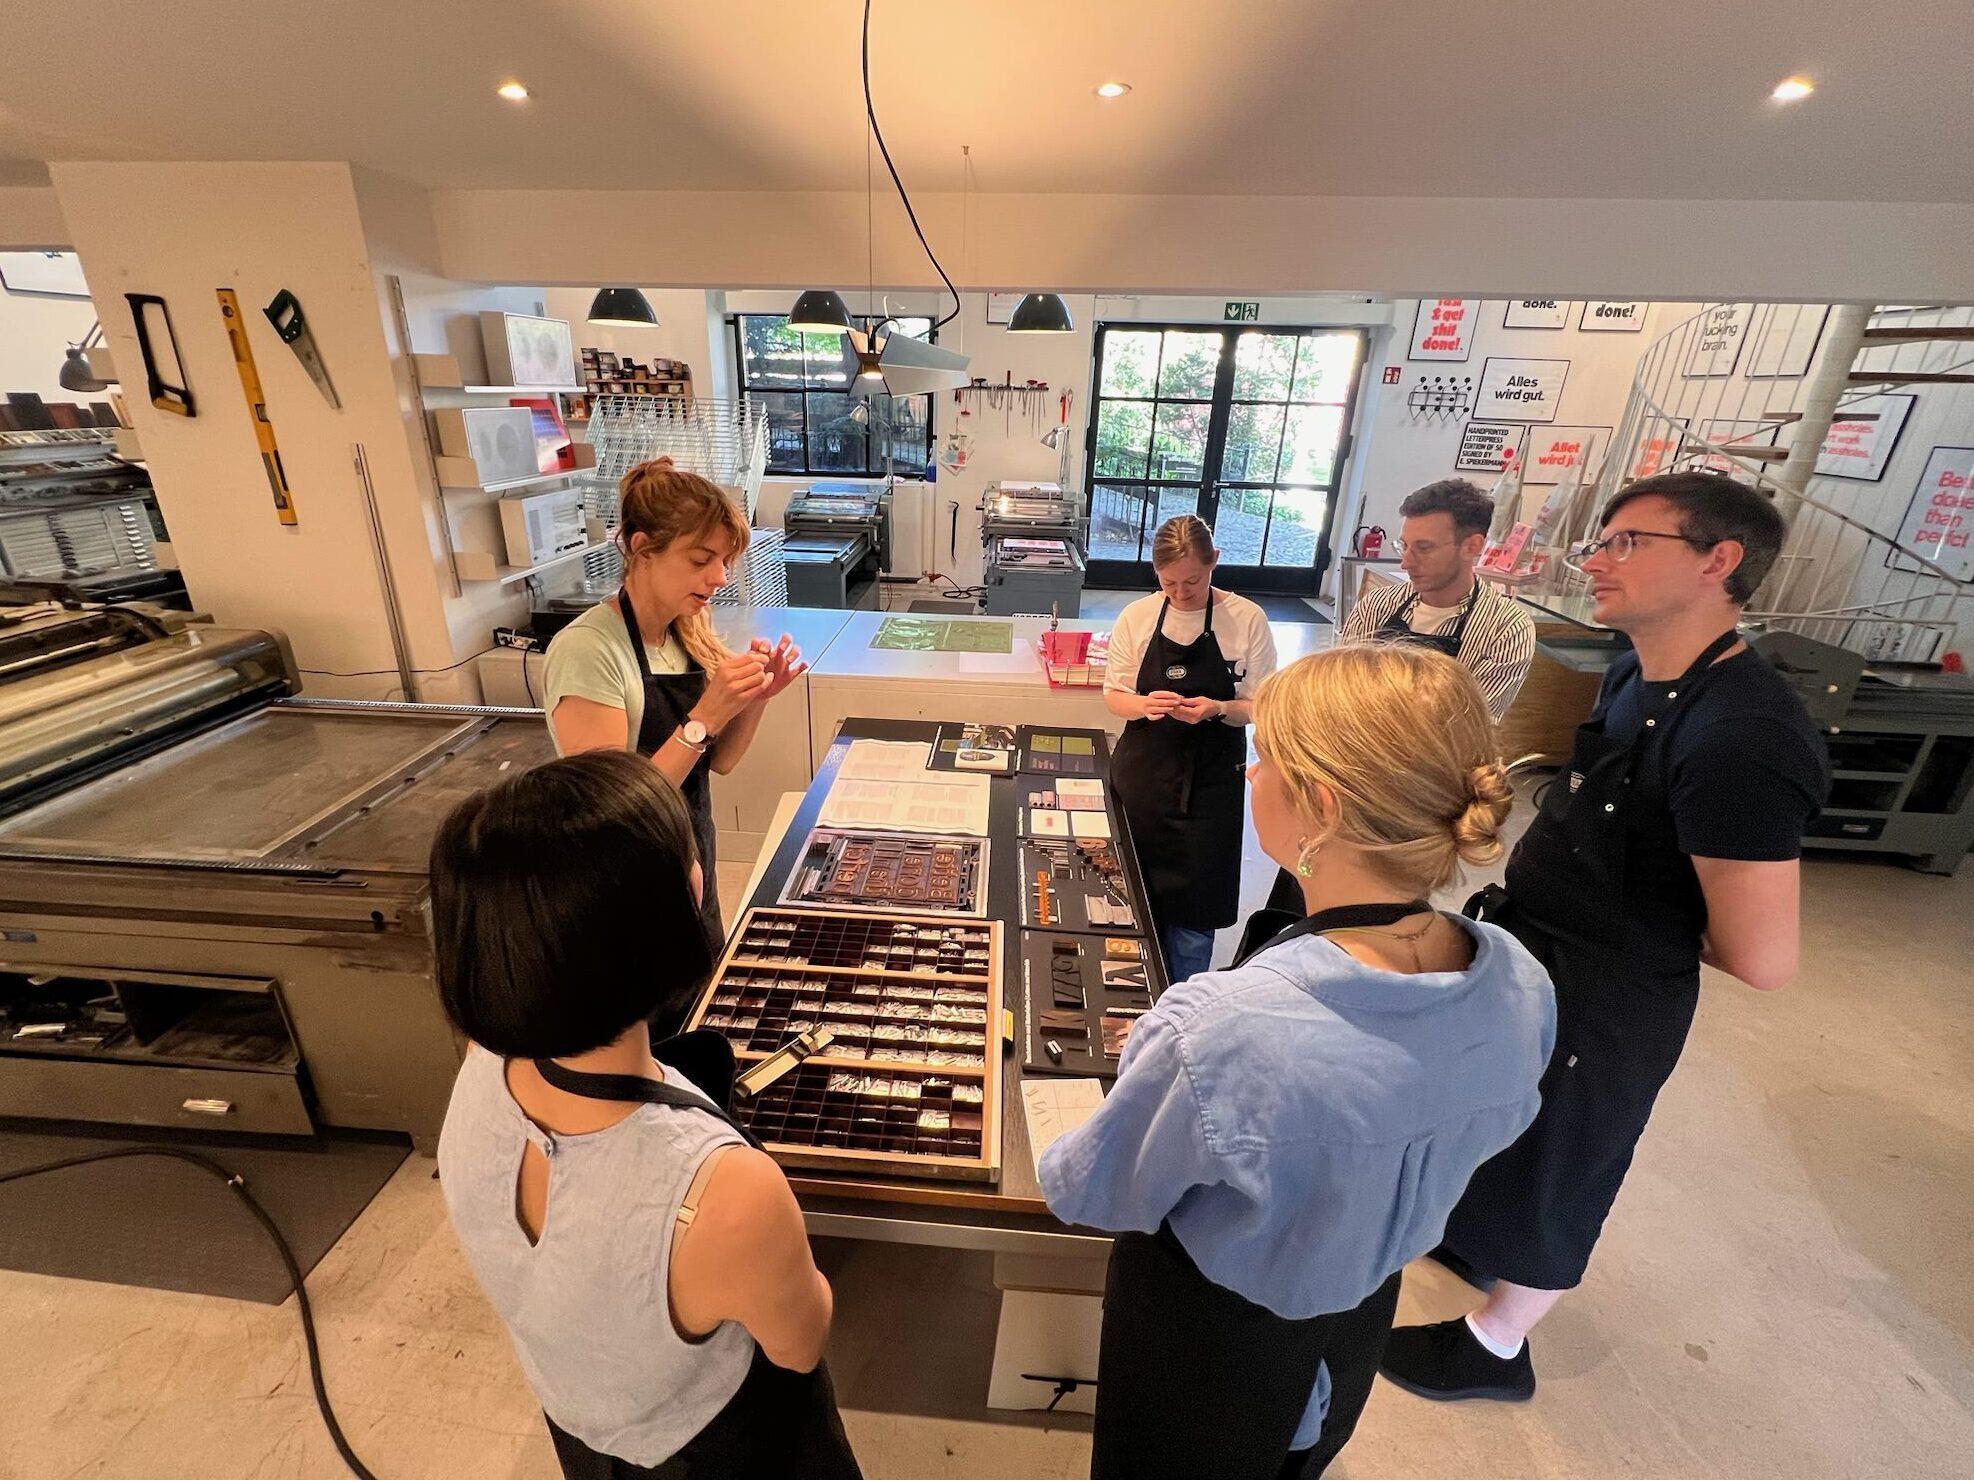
{"type": "Point", "coordinates": [591, 658]}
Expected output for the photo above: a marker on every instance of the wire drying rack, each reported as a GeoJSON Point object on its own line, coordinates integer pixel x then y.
{"type": "Point", "coordinates": [723, 441]}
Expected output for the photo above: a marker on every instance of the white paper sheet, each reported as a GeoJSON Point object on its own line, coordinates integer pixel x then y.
{"type": "Point", "coordinates": [885, 760]}
{"type": "Point", "coordinates": [954, 803]}
{"type": "Point", "coordinates": [1089, 825]}
{"type": "Point", "coordinates": [1043, 823]}
{"type": "Point", "coordinates": [1080, 792]}
{"type": "Point", "coordinates": [1054, 1106]}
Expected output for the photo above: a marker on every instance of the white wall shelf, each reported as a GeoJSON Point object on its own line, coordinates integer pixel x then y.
{"type": "Point", "coordinates": [474, 566]}
{"type": "Point", "coordinates": [462, 473]}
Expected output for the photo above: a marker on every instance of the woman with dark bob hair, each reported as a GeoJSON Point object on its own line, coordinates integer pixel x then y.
{"type": "Point", "coordinates": [651, 1265]}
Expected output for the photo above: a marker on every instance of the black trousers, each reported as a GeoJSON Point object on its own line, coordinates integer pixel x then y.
{"type": "Point", "coordinates": [1194, 1380]}
{"type": "Point", "coordinates": [781, 1425]}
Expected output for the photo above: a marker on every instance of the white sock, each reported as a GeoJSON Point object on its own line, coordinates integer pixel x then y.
{"type": "Point", "coordinates": [1503, 1352]}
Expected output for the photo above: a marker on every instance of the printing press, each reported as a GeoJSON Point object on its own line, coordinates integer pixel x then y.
{"type": "Point", "coordinates": [837, 544]}
{"type": "Point", "coordinates": [213, 893]}
{"type": "Point", "coordinates": [1032, 560]}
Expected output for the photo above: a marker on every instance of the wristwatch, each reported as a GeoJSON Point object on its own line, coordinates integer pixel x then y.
{"type": "Point", "coordinates": [695, 736]}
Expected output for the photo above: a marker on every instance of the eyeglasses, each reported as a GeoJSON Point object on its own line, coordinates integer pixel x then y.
{"type": "Point", "coordinates": [1625, 541]}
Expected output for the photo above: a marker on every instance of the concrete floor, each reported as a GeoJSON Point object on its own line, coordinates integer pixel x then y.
{"type": "Point", "coordinates": [1785, 1290]}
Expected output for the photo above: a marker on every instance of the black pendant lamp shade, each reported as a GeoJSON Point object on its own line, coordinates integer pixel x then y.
{"type": "Point", "coordinates": [627, 307]}
{"type": "Point", "coordinates": [1041, 313]}
{"type": "Point", "coordinates": [819, 311]}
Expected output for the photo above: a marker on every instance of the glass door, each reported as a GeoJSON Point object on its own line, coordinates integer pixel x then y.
{"type": "Point", "coordinates": [1248, 428]}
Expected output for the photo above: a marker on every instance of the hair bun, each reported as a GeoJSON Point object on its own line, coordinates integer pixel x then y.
{"type": "Point", "coordinates": [1490, 798]}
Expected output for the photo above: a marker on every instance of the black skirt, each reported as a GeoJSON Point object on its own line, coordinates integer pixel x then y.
{"type": "Point", "coordinates": [780, 1425]}
{"type": "Point", "coordinates": [1194, 1380]}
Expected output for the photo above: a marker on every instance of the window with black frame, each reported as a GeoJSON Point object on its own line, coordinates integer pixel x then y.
{"type": "Point", "coordinates": [802, 381]}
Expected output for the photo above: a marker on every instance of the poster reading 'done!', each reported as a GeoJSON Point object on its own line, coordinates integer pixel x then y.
{"type": "Point", "coordinates": [1520, 390]}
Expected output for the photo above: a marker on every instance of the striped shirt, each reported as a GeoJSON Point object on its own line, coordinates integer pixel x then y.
{"type": "Point", "coordinates": [1497, 648]}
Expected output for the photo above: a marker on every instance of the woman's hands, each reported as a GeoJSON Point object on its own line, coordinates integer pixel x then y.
{"type": "Point", "coordinates": [730, 688]}
{"type": "Point", "coordinates": [1161, 703]}
{"type": "Point", "coordinates": [782, 663]}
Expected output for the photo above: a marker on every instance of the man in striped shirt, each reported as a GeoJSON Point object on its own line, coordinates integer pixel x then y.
{"type": "Point", "coordinates": [1442, 604]}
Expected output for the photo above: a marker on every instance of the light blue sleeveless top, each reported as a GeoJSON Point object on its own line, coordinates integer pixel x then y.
{"type": "Point", "coordinates": [587, 1306]}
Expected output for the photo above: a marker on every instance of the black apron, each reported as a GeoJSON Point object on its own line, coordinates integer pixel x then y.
{"type": "Point", "coordinates": [1195, 1380]}
{"type": "Point", "coordinates": [779, 1423]}
{"type": "Point", "coordinates": [1624, 1004]}
{"type": "Point", "coordinates": [668, 698]}
{"type": "Point", "coordinates": [1395, 628]}
{"type": "Point", "coordinates": [1184, 787]}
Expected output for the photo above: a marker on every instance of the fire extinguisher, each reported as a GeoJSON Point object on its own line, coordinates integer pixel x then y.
{"type": "Point", "coordinates": [1369, 541]}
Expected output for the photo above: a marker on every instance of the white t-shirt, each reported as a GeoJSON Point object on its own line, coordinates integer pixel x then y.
{"type": "Point", "coordinates": [1240, 627]}
{"type": "Point", "coordinates": [592, 659]}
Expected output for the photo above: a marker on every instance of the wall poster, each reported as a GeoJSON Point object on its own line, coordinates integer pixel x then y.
{"type": "Point", "coordinates": [1731, 436]}
{"type": "Point", "coordinates": [1537, 313]}
{"type": "Point", "coordinates": [1657, 450]}
{"type": "Point", "coordinates": [1786, 336]}
{"type": "Point", "coordinates": [1715, 347]}
{"type": "Point", "coordinates": [1520, 390]}
{"type": "Point", "coordinates": [1612, 317]}
{"type": "Point", "coordinates": [1863, 436]}
{"type": "Point", "coordinates": [1489, 446]}
{"type": "Point", "coordinates": [1443, 329]}
{"type": "Point", "coordinates": [1553, 451]}
{"type": "Point", "coordinates": [1939, 522]}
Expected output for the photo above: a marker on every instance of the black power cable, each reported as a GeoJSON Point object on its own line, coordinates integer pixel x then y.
{"type": "Point", "coordinates": [870, 111]}
{"type": "Point", "coordinates": [239, 1186]}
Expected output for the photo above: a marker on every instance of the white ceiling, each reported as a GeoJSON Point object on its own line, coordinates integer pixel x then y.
{"type": "Point", "coordinates": [1602, 99]}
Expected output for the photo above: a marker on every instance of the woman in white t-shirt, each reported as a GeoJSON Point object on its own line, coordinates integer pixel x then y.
{"type": "Point", "coordinates": [645, 671]}
{"type": "Point", "coordinates": [1184, 666]}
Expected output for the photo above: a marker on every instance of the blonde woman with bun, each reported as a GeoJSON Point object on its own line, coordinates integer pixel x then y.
{"type": "Point", "coordinates": [646, 672]}
{"type": "Point", "coordinates": [1285, 1136]}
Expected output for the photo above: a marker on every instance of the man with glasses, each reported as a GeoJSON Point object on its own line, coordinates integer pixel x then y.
{"type": "Point", "coordinates": [1441, 604]}
{"type": "Point", "coordinates": [1671, 839]}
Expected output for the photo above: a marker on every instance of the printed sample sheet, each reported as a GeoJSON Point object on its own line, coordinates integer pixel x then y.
{"type": "Point", "coordinates": [942, 635]}
{"type": "Point", "coordinates": [884, 785]}
{"type": "Point", "coordinates": [1055, 1106]}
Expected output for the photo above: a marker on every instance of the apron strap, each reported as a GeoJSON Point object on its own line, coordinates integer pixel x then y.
{"type": "Point", "coordinates": [1346, 917]}
{"type": "Point", "coordinates": [636, 1089]}
{"type": "Point", "coordinates": [637, 637]}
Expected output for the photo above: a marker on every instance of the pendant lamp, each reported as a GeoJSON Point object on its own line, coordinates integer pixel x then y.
{"type": "Point", "coordinates": [624, 307]}
{"type": "Point", "coordinates": [819, 311]}
{"type": "Point", "coordinates": [1041, 313]}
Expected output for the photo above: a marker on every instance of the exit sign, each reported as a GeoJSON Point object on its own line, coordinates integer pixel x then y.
{"type": "Point", "coordinates": [1242, 313]}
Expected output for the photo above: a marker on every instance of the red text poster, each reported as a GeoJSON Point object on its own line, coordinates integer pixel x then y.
{"type": "Point", "coordinates": [1443, 329]}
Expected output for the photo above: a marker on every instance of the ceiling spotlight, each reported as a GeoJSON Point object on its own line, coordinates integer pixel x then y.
{"type": "Point", "coordinates": [514, 92]}
{"type": "Point", "coordinates": [1113, 89]}
{"type": "Point", "coordinates": [1793, 89]}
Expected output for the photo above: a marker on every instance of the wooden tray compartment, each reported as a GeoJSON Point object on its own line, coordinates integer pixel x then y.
{"type": "Point", "coordinates": [912, 1083]}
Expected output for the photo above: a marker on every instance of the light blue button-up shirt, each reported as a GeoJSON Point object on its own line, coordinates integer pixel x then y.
{"type": "Point", "coordinates": [1307, 1122]}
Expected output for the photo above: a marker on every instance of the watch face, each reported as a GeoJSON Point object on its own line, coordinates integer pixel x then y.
{"type": "Point", "coordinates": [694, 732]}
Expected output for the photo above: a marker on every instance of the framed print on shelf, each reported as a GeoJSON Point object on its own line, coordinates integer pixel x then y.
{"type": "Point", "coordinates": [1612, 316]}
{"type": "Point", "coordinates": [1863, 437]}
{"type": "Point", "coordinates": [1715, 348]}
{"type": "Point", "coordinates": [528, 353]}
{"type": "Point", "coordinates": [1443, 329]}
{"type": "Point", "coordinates": [1536, 313]}
{"type": "Point", "coordinates": [1786, 336]}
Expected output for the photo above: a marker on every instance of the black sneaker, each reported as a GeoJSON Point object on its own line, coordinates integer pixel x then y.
{"type": "Point", "coordinates": [1447, 1259]}
{"type": "Point", "coordinates": [1445, 1362]}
